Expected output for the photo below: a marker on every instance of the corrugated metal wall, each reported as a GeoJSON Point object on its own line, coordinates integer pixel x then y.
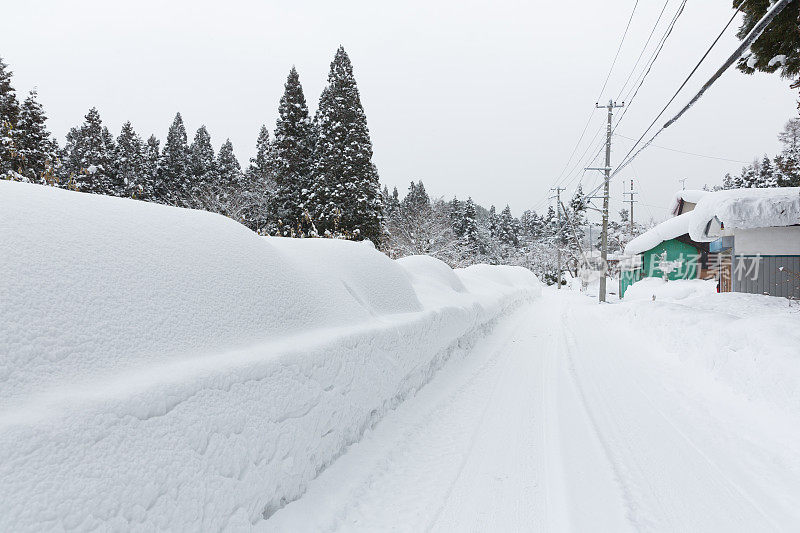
{"type": "Point", "coordinates": [767, 278]}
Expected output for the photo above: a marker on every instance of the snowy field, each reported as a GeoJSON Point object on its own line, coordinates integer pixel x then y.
{"type": "Point", "coordinates": [162, 368]}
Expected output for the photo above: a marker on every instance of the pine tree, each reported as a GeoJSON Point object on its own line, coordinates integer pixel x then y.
{"type": "Point", "coordinates": [577, 218]}
{"type": "Point", "coordinates": [259, 183]}
{"type": "Point", "coordinates": [508, 228]}
{"type": "Point", "coordinates": [766, 175]}
{"type": "Point", "coordinates": [260, 170]}
{"type": "Point", "coordinates": [230, 171]}
{"type": "Point", "coordinates": [9, 113]}
{"type": "Point", "coordinates": [89, 156]}
{"type": "Point", "coordinates": [152, 159]}
{"type": "Point", "coordinates": [129, 163]}
{"type": "Point", "coordinates": [788, 167]}
{"type": "Point", "coordinates": [391, 201]}
{"type": "Point", "coordinates": [345, 194]}
{"type": "Point", "coordinates": [532, 225]}
{"type": "Point", "coordinates": [174, 179]}
{"type": "Point", "coordinates": [417, 198]}
{"type": "Point", "coordinates": [492, 222]}
{"type": "Point", "coordinates": [36, 149]}
{"type": "Point", "coordinates": [387, 200]}
{"type": "Point", "coordinates": [457, 217]}
{"type": "Point", "coordinates": [202, 163]}
{"type": "Point", "coordinates": [291, 155]}
{"type": "Point", "coordinates": [551, 224]}
{"type": "Point", "coordinates": [473, 242]}
{"type": "Point", "coordinates": [749, 177]}
{"type": "Point", "coordinates": [782, 38]}
{"type": "Point", "coordinates": [728, 181]}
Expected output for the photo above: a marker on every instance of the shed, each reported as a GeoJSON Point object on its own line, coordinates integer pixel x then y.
{"type": "Point", "coordinates": [668, 241]}
{"type": "Point", "coordinates": [760, 228]}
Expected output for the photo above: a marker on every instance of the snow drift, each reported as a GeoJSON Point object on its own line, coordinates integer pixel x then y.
{"type": "Point", "coordinates": [650, 288]}
{"type": "Point", "coordinates": [750, 343]}
{"type": "Point", "coordinates": [163, 368]}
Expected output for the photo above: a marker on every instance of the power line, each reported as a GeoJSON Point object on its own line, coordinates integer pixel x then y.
{"type": "Point", "coordinates": [687, 153]}
{"type": "Point", "coordinates": [643, 76]}
{"type": "Point", "coordinates": [751, 37]}
{"type": "Point", "coordinates": [653, 58]}
{"type": "Point", "coordinates": [644, 48]}
{"type": "Point", "coordinates": [685, 81]}
{"type": "Point", "coordinates": [589, 120]}
{"type": "Point", "coordinates": [619, 48]}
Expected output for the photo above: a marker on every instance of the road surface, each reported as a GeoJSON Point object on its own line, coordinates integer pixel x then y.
{"type": "Point", "coordinates": [564, 418]}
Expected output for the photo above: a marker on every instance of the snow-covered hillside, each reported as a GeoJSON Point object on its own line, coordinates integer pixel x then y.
{"type": "Point", "coordinates": [163, 368]}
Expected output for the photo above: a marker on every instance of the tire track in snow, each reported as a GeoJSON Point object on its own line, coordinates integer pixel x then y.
{"type": "Point", "coordinates": [668, 479]}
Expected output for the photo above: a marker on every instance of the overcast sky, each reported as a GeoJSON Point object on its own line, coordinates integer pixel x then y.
{"type": "Point", "coordinates": [475, 98]}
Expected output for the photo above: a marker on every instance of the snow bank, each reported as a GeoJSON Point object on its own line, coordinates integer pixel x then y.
{"type": "Point", "coordinates": [747, 342]}
{"type": "Point", "coordinates": [163, 368]}
{"type": "Point", "coordinates": [102, 284]}
{"type": "Point", "coordinates": [669, 229]}
{"type": "Point", "coordinates": [646, 288]}
{"type": "Point", "coordinates": [436, 282]}
{"type": "Point", "coordinates": [745, 209]}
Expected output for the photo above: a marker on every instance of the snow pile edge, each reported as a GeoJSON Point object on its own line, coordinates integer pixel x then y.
{"type": "Point", "coordinates": [218, 438]}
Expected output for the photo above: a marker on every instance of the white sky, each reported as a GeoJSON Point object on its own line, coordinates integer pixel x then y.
{"type": "Point", "coordinates": [475, 98]}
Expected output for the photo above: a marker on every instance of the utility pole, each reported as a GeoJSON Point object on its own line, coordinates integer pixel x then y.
{"type": "Point", "coordinates": [683, 183]}
{"type": "Point", "coordinates": [558, 232]}
{"type": "Point", "coordinates": [604, 237]}
{"type": "Point", "coordinates": [630, 201]}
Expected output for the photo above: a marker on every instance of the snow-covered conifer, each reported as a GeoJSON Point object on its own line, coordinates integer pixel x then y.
{"type": "Point", "coordinates": [345, 193]}
{"type": "Point", "coordinates": [9, 113]}
{"type": "Point", "coordinates": [174, 184]}
{"type": "Point", "coordinates": [766, 175]}
{"type": "Point", "coordinates": [89, 156]}
{"type": "Point", "coordinates": [152, 159]}
{"type": "Point", "coordinates": [230, 171]}
{"type": "Point", "coordinates": [291, 155]}
{"type": "Point", "coordinates": [202, 163]}
{"type": "Point", "coordinates": [129, 163]}
{"type": "Point", "coordinates": [508, 228]}
{"type": "Point", "coordinates": [789, 166]}
{"type": "Point", "coordinates": [36, 149]}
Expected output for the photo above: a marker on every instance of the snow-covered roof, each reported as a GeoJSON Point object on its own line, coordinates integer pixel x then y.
{"type": "Point", "coordinates": [687, 195]}
{"type": "Point", "coordinates": [744, 209]}
{"type": "Point", "coordinates": [669, 229]}
{"type": "Point", "coordinates": [734, 208]}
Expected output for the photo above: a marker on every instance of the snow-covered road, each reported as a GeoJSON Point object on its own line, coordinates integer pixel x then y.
{"type": "Point", "coordinates": [566, 417]}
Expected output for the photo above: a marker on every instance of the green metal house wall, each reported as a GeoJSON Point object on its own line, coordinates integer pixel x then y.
{"type": "Point", "coordinates": [628, 278]}
{"type": "Point", "coordinates": [675, 250]}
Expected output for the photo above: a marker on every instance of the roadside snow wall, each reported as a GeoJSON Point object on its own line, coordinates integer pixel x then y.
{"type": "Point", "coordinates": [164, 368]}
